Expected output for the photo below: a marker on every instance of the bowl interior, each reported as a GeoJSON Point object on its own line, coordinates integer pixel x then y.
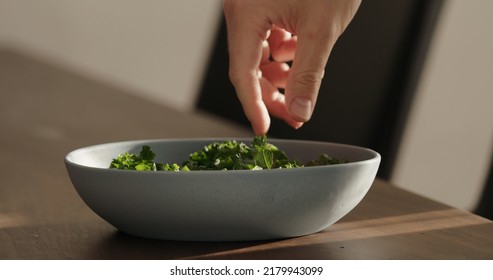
{"type": "Point", "coordinates": [178, 150]}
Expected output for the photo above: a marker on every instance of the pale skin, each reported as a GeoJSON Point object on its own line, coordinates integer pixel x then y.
{"type": "Point", "coordinates": [265, 34]}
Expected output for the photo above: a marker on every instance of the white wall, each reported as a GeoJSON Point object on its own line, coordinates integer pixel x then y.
{"type": "Point", "coordinates": [448, 140]}
{"type": "Point", "coordinates": [159, 48]}
{"type": "Point", "coordinates": [155, 47]}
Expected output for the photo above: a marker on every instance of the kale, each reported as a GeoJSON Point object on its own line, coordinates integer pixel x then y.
{"type": "Point", "coordinates": [127, 161]}
{"type": "Point", "coordinates": [227, 155]}
{"type": "Point", "coordinates": [324, 159]}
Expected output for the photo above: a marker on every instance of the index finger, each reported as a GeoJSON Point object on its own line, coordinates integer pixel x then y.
{"type": "Point", "coordinates": [245, 44]}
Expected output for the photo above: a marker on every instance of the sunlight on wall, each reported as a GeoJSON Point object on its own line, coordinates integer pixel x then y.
{"type": "Point", "coordinates": [447, 145]}
{"type": "Point", "coordinates": [156, 48]}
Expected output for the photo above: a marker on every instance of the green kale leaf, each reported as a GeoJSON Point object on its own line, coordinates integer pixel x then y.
{"type": "Point", "coordinates": [228, 155]}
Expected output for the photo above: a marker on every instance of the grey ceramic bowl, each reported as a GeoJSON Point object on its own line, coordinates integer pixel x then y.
{"type": "Point", "coordinates": [235, 205]}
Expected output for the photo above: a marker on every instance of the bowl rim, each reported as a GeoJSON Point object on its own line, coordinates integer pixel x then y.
{"type": "Point", "coordinates": [68, 157]}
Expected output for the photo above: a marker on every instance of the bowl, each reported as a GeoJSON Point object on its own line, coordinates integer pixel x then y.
{"type": "Point", "coordinates": [225, 205]}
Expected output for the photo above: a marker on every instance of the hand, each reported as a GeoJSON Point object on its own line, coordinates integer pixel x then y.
{"type": "Point", "coordinates": [265, 34]}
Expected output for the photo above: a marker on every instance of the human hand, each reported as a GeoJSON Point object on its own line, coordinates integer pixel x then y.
{"type": "Point", "coordinates": [265, 34]}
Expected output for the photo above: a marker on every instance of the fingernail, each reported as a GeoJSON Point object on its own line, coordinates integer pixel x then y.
{"type": "Point", "coordinates": [302, 108]}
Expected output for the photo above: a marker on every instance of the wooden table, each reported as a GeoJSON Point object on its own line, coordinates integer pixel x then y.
{"type": "Point", "coordinates": [45, 112]}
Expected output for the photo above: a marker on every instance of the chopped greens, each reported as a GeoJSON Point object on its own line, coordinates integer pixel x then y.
{"type": "Point", "coordinates": [144, 161]}
{"type": "Point", "coordinates": [228, 155]}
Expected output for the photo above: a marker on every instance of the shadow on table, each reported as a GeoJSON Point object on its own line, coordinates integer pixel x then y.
{"type": "Point", "coordinates": [440, 234]}
{"type": "Point", "coordinates": [440, 244]}
{"type": "Point", "coordinates": [374, 241]}
{"type": "Point", "coordinates": [120, 245]}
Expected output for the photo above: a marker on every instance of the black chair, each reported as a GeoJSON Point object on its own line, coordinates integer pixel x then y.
{"type": "Point", "coordinates": [369, 83]}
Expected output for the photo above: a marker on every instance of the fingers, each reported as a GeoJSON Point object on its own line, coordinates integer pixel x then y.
{"type": "Point", "coordinates": [281, 47]}
{"type": "Point", "coordinates": [265, 52]}
{"type": "Point", "coordinates": [302, 83]}
{"type": "Point", "coordinates": [246, 51]}
{"type": "Point", "coordinates": [282, 44]}
{"type": "Point", "coordinates": [275, 103]}
{"type": "Point", "coordinates": [276, 72]}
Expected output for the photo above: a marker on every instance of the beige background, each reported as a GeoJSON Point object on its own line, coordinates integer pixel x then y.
{"type": "Point", "coordinates": [449, 138]}
{"type": "Point", "coordinates": [159, 49]}
{"type": "Point", "coordinates": [154, 47]}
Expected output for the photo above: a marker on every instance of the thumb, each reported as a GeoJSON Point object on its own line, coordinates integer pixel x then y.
{"type": "Point", "coordinates": [319, 27]}
{"type": "Point", "coordinates": [312, 52]}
